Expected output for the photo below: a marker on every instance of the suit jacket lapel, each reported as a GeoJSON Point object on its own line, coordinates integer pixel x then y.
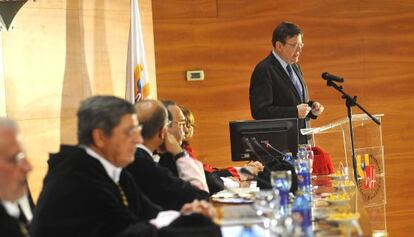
{"type": "Point", "coordinates": [282, 72]}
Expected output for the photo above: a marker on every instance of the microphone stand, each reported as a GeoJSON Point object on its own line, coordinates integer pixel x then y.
{"type": "Point", "coordinates": [350, 101]}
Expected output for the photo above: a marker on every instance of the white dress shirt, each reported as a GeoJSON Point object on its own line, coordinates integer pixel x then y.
{"type": "Point", "coordinates": [113, 172]}
{"type": "Point", "coordinates": [192, 170]}
{"type": "Point", "coordinates": [11, 208]}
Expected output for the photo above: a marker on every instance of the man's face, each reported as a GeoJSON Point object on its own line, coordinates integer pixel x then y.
{"type": "Point", "coordinates": [13, 167]}
{"type": "Point", "coordinates": [189, 131]}
{"type": "Point", "coordinates": [189, 128]}
{"type": "Point", "coordinates": [177, 124]}
{"type": "Point", "coordinates": [119, 147]}
{"type": "Point", "coordinates": [291, 50]}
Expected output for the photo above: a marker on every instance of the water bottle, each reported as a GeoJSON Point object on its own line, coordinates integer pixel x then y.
{"type": "Point", "coordinates": [281, 181]}
{"type": "Point", "coordinates": [303, 172]}
{"type": "Point", "coordinates": [301, 214]}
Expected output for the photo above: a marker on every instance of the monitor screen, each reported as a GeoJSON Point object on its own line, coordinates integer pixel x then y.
{"type": "Point", "coordinates": [282, 134]}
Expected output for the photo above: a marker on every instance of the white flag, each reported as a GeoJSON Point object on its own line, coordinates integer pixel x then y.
{"type": "Point", "coordinates": [137, 79]}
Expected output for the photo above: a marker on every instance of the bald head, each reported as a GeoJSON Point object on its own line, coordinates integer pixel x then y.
{"type": "Point", "coordinates": [152, 115]}
{"type": "Point", "coordinates": [7, 128]}
{"type": "Point", "coordinates": [8, 124]}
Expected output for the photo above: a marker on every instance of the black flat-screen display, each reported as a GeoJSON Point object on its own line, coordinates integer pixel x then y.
{"type": "Point", "coordinates": [280, 133]}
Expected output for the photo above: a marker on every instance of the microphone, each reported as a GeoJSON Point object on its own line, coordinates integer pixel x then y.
{"type": "Point", "coordinates": [330, 77]}
{"type": "Point", "coordinates": [285, 157]}
{"type": "Point", "coordinates": [264, 176]}
{"type": "Point", "coordinates": [267, 145]}
{"type": "Point", "coordinates": [249, 145]}
{"type": "Point", "coordinates": [254, 140]}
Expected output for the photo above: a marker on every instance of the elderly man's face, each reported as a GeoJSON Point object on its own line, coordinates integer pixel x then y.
{"type": "Point", "coordinates": [291, 50]}
{"type": "Point", "coordinates": [13, 166]}
{"type": "Point", "coordinates": [178, 123]}
{"type": "Point", "coordinates": [119, 147]}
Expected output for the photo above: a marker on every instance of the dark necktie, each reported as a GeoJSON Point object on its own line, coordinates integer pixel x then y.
{"type": "Point", "coordinates": [295, 81]}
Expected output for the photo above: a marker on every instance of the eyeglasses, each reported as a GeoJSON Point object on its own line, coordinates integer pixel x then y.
{"type": "Point", "coordinates": [15, 159]}
{"type": "Point", "coordinates": [179, 123]}
{"type": "Point", "coordinates": [131, 131]}
{"type": "Point", "coordinates": [189, 125]}
{"type": "Point", "coordinates": [297, 45]}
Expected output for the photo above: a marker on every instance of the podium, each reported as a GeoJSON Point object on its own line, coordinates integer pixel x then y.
{"type": "Point", "coordinates": [335, 139]}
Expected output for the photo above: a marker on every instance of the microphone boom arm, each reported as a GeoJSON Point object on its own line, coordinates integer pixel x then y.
{"type": "Point", "coordinates": [350, 102]}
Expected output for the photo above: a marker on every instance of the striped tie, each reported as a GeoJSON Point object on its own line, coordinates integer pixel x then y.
{"type": "Point", "coordinates": [295, 82]}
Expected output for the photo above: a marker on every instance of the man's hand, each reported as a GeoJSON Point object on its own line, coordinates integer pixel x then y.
{"type": "Point", "coordinates": [303, 110]}
{"type": "Point", "coordinates": [317, 108]}
{"type": "Point", "coordinates": [201, 207]}
{"type": "Point", "coordinates": [254, 167]}
{"type": "Point", "coordinates": [171, 144]}
{"type": "Point", "coordinates": [234, 179]}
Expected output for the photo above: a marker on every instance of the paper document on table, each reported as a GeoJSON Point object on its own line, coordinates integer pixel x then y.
{"type": "Point", "coordinates": [235, 195]}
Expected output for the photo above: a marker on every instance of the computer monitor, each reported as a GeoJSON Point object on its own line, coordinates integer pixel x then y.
{"type": "Point", "coordinates": [282, 134]}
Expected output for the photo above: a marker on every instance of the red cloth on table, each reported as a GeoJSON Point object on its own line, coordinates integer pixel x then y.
{"type": "Point", "coordinates": [322, 162]}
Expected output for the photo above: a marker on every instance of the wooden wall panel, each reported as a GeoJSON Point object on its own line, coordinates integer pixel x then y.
{"type": "Point", "coordinates": [184, 9]}
{"type": "Point", "coordinates": [2, 82]}
{"type": "Point", "coordinates": [25, 73]}
{"type": "Point", "coordinates": [120, 5]}
{"type": "Point", "coordinates": [369, 44]}
{"type": "Point", "coordinates": [40, 137]}
{"type": "Point", "coordinates": [59, 53]}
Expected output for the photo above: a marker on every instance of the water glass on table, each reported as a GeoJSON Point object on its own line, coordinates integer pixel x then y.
{"type": "Point", "coordinates": [266, 205]}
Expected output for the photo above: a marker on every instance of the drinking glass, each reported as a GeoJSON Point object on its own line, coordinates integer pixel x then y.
{"type": "Point", "coordinates": [267, 205]}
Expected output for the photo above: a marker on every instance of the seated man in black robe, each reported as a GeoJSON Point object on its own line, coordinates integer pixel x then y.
{"type": "Point", "coordinates": [157, 182]}
{"type": "Point", "coordinates": [86, 192]}
{"type": "Point", "coordinates": [13, 173]}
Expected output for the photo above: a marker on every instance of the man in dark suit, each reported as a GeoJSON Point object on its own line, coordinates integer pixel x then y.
{"type": "Point", "coordinates": [13, 173]}
{"type": "Point", "coordinates": [87, 193]}
{"type": "Point", "coordinates": [277, 87]}
{"type": "Point", "coordinates": [157, 182]}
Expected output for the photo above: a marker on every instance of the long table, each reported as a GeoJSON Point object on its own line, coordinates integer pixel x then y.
{"type": "Point", "coordinates": [321, 226]}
